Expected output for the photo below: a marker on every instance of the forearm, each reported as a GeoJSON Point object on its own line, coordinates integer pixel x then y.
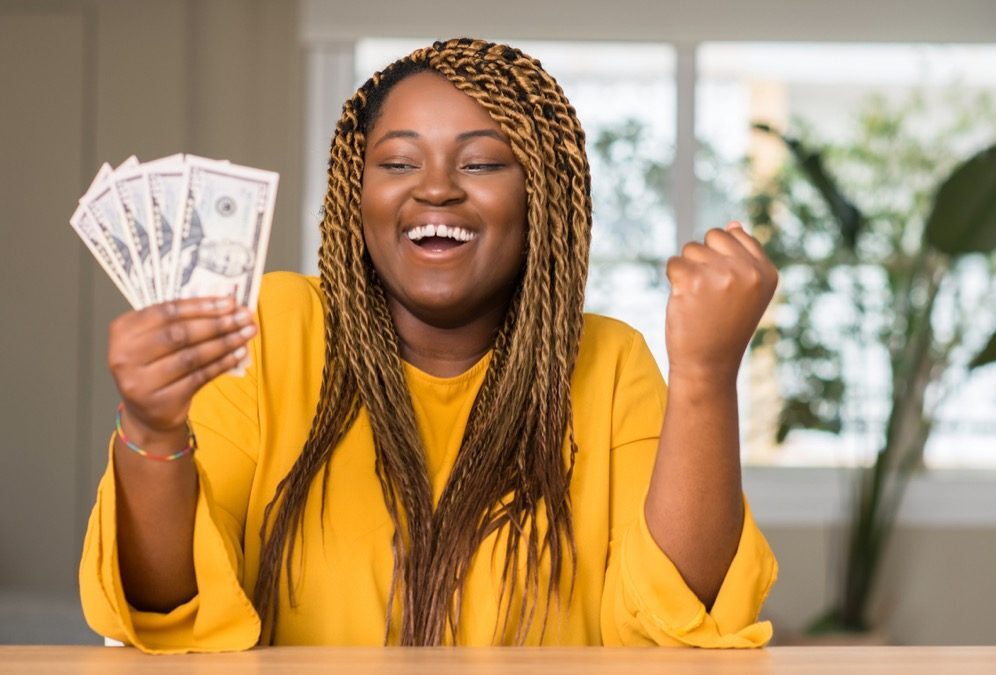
{"type": "Point", "coordinates": [155, 524]}
{"type": "Point", "coordinates": [694, 505]}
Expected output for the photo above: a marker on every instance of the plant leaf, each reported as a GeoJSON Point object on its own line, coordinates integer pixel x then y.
{"type": "Point", "coordinates": [848, 216]}
{"type": "Point", "coordinates": [963, 219]}
{"type": "Point", "coordinates": [987, 355]}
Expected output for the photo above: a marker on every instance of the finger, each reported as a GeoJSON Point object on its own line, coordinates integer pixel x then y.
{"type": "Point", "coordinates": [178, 335]}
{"type": "Point", "coordinates": [724, 242]}
{"type": "Point", "coordinates": [185, 387]}
{"type": "Point", "coordinates": [752, 245]}
{"type": "Point", "coordinates": [699, 253]}
{"type": "Point", "coordinates": [679, 270]}
{"type": "Point", "coordinates": [179, 364]}
{"type": "Point", "coordinates": [171, 311]}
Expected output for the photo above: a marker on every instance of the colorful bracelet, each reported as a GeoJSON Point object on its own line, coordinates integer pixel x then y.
{"type": "Point", "coordinates": [191, 441]}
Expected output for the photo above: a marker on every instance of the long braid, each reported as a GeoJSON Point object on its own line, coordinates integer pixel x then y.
{"type": "Point", "coordinates": [518, 450]}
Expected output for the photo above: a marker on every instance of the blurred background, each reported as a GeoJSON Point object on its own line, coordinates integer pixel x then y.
{"type": "Point", "coordinates": [696, 113]}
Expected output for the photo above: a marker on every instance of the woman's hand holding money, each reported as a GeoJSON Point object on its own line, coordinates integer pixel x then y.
{"type": "Point", "coordinates": [160, 357]}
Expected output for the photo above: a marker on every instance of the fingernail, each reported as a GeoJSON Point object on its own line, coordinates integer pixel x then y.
{"type": "Point", "coordinates": [240, 353]}
{"type": "Point", "coordinates": [248, 331]}
{"type": "Point", "coordinates": [243, 316]}
{"type": "Point", "coordinates": [224, 303]}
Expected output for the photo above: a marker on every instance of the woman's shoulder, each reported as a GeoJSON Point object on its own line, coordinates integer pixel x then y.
{"type": "Point", "coordinates": [610, 346]}
{"type": "Point", "coordinates": [291, 336]}
{"type": "Point", "coordinates": [283, 295]}
{"type": "Point", "coordinates": [607, 337]}
{"type": "Point", "coordinates": [289, 286]}
{"type": "Point", "coordinates": [291, 315]}
{"type": "Point", "coordinates": [617, 376]}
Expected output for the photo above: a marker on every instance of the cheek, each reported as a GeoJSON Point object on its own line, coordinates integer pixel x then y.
{"type": "Point", "coordinates": [368, 204]}
{"type": "Point", "coordinates": [379, 199]}
{"type": "Point", "coordinates": [511, 202]}
{"type": "Point", "coordinates": [377, 214]}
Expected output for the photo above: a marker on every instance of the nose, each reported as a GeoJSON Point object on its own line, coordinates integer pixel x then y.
{"type": "Point", "coordinates": [437, 186]}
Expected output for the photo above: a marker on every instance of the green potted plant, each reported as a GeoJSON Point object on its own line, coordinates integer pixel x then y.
{"type": "Point", "coordinates": [884, 232]}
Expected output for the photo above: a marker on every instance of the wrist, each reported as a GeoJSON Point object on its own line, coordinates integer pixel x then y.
{"type": "Point", "coordinates": [706, 377]}
{"type": "Point", "coordinates": [141, 427]}
{"type": "Point", "coordinates": [134, 433]}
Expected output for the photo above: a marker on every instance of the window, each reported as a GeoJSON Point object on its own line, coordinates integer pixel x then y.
{"type": "Point", "coordinates": [936, 106]}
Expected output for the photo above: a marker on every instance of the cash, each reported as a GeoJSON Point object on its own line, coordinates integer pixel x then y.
{"type": "Point", "coordinates": [179, 227]}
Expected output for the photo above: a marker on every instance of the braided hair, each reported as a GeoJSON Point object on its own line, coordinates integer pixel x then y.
{"type": "Point", "coordinates": [517, 453]}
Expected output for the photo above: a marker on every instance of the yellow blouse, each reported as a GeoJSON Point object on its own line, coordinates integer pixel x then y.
{"type": "Point", "coordinates": [251, 429]}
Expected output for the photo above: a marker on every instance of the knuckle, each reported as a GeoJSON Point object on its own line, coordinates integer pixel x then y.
{"type": "Point", "coordinates": [188, 358]}
{"type": "Point", "coordinates": [168, 310]}
{"type": "Point", "coordinates": [119, 327]}
{"type": "Point", "coordinates": [176, 335]}
{"type": "Point", "coordinates": [115, 326]}
{"type": "Point", "coordinates": [129, 387]}
{"type": "Point", "coordinates": [201, 377]}
{"type": "Point", "coordinates": [233, 340]}
{"type": "Point", "coordinates": [115, 361]}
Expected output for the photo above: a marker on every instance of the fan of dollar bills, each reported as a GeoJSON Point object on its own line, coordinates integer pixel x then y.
{"type": "Point", "coordinates": [179, 227]}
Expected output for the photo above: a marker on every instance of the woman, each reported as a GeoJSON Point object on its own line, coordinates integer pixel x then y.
{"type": "Point", "coordinates": [433, 445]}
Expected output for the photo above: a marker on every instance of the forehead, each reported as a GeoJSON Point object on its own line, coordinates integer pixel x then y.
{"type": "Point", "coordinates": [426, 101]}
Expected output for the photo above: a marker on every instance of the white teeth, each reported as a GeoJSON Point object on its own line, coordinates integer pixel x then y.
{"type": "Point", "coordinates": [423, 231]}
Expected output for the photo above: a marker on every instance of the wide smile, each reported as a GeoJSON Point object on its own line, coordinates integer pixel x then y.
{"type": "Point", "coordinates": [439, 242]}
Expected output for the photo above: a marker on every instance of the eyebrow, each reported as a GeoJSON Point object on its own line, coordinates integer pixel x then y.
{"type": "Point", "coordinates": [461, 137]}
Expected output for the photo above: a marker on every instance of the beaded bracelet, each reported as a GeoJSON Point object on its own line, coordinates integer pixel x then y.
{"type": "Point", "coordinates": [191, 441]}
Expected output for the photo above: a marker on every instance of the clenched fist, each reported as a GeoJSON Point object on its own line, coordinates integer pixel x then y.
{"type": "Point", "coordinates": [719, 290]}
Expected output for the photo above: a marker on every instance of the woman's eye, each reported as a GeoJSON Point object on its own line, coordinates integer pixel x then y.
{"type": "Point", "coordinates": [397, 166]}
{"type": "Point", "coordinates": [483, 167]}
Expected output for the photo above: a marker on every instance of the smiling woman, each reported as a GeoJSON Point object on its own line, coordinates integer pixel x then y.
{"type": "Point", "coordinates": [438, 163]}
{"type": "Point", "coordinates": [433, 444]}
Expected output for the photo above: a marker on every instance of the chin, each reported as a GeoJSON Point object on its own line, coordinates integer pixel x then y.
{"type": "Point", "coordinates": [445, 310]}
{"type": "Point", "coordinates": [443, 314]}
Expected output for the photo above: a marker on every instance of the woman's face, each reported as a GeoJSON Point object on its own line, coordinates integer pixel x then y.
{"type": "Point", "coordinates": [443, 204]}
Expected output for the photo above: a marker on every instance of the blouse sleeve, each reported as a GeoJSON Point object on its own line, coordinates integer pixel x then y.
{"type": "Point", "coordinates": [645, 600]}
{"type": "Point", "coordinates": [220, 617]}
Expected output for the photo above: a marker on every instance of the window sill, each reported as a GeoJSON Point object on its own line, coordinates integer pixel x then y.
{"type": "Point", "coordinates": [807, 496]}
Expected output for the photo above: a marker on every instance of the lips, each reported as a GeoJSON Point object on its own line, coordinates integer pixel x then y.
{"type": "Point", "coordinates": [438, 241]}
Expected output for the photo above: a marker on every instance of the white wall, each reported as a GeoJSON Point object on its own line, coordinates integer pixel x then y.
{"type": "Point", "coordinates": [672, 20]}
{"type": "Point", "coordinates": [84, 82]}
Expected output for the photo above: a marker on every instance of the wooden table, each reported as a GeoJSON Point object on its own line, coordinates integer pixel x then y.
{"type": "Point", "coordinates": [508, 661]}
